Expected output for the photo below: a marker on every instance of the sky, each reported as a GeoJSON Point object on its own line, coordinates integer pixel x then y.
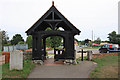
{"type": "Point", "coordinates": [101, 16]}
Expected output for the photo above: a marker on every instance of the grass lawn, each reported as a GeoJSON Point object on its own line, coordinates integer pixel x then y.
{"type": "Point", "coordinates": [107, 67]}
{"type": "Point", "coordinates": [27, 68]}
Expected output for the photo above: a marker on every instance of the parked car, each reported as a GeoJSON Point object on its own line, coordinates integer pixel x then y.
{"type": "Point", "coordinates": [107, 48]}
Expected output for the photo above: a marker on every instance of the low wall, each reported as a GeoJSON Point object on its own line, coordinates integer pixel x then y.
{"type": "Point", "coordinates": [26, 55]}
{"type": "Point", "coordinates": [7, 56]}
{"type": "Point", "coordinates": [104, 54]}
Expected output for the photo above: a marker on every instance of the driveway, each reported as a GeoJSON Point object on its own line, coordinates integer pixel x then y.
{"type": "Point", "coordinates": [81, 70]}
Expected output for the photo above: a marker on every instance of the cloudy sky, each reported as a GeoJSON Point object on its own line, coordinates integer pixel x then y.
{"type": "Point", "coordinates": [101, 16]}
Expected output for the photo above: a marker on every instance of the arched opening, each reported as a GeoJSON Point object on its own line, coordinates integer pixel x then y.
{"type": "Point", "coordinates": [53, 46]}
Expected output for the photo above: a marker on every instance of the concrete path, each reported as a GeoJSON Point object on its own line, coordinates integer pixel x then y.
{"type": "Point", "coordinates": [81, 70]}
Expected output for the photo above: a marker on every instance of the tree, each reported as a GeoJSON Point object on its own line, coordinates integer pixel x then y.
{"type": "Point", "coordinates": [82, 42]}
{"type": "Point", "coordinates": [87, 40]}
{"type": "Point", "coordinates": [4, 38]}
{"type": "Point", "coordinates": [114, 38]}
{"type": "Point", "coordinates": [118, 39]}
{"type": "Point", "coordinates": [98, 41]}
{"type": "Point", "coordinates": [17, 38]}
{"type": "Point", "coordinates": [53, 41]}
{"type": "Point", "coordinates": [29, 41]}
{"type": "Point", "coordinates": [76, 39]}
{"type": "Point", "coordinates": [21, 42]}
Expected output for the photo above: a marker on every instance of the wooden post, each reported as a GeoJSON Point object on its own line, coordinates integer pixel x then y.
{"type": "Point", "coordinates": [82, 55]}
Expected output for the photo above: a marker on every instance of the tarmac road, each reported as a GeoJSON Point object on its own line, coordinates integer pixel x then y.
{"type": "Point", "coordinates": [95, 51]}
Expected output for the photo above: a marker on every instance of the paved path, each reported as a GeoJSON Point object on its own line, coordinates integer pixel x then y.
{"type": "Point", "coordinates": [81, 70]}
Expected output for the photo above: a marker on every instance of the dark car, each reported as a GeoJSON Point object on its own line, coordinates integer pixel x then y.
{"type": "Point", "coordinates": [107, 48]}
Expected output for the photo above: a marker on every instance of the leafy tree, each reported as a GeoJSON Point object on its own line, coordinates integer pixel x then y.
{"type": "Point", "coordinates": [82, 42]}
{"type": "Point", "coordinates": [4, 38]}
{"type": "Point", "coordinates": [118, 39]}
{"type": "Point", "coordinates": [114, 38]}
{"type": "Point", "coordinates": [87, 40]}
{"type": "Point", "coordinates": [17, 38]}
{"type": "Point", "coordinates": [29, 41]}
{"type": "Point", "coordinates": [21, 42]}
{"type": "Point", "coordinates": [76, 39]}
{"type": "Point", "coordinates": [98, 41]}
{"type": "Point", "coordinates": [53, 41]}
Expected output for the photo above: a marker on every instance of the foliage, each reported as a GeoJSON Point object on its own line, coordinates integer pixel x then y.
{"type": "Point", "coordinates": [4, 37]}
{"type": "Point", "coordinates": [53, 41]}
{"type": "Point", "coordinates": [76, 39]}
{"type": "Point", "coordinates": [17, 38]}
{"type": "Point", "coordinates": [29, 41]}
{"type": "Point", "coordinates": [105, 62]}
{"type": "Point", "coordinates": [114, 38]}
{"type": "Point", "coordinates": [21, 42]}
{"type": "Point", "coordinates": [87, 40]}
{"type": "Point", "coordinates": [98, 41]}
{"type": "Point", "coordinates": [27, 68]}
{"type": "Point", "coordinates": [82, 42]}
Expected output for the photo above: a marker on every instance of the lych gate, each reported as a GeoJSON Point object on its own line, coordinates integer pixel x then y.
{"type": "Point", "coordinates": [53, 19]}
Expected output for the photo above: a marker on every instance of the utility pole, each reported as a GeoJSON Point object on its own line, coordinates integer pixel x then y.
{"type": "Point", "coordinates": [92, 35]}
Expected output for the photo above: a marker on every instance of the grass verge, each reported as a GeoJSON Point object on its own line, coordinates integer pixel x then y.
{"type": "Point", "coordinates": [27, 68]}
{"type": "Point", "coordinates": [107, 67]}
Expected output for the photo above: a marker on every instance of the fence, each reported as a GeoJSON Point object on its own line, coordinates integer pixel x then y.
{"type": "Point", "coordinates": [17, 47]}
{"type": "Point", "coordinates": [9, 48]}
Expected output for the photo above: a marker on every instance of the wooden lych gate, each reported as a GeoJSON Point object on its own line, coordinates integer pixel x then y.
{"type": "Point", "coordinates": [53, 19]}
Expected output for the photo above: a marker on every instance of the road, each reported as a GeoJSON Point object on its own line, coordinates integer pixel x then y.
{"type": "Point", "coordinates": [95, 51]}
